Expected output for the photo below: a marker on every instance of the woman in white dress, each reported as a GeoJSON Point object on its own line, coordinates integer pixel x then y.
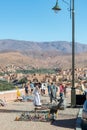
{"type": "Point", "coordinates": [36, 93]}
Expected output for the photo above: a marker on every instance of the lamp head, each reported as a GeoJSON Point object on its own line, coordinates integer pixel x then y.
{"type": "Point", "coordinates": [56, 7]}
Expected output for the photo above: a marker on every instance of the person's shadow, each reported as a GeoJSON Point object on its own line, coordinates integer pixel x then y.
{"type": "Point", "coordinates": [66, 123]}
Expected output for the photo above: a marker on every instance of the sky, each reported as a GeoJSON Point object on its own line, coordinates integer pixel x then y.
{"type": "Point", "coordinates": [34, 20]}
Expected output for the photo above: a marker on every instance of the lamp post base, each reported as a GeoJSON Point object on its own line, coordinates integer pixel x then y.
{"type": "Point", "coordinates": [73, 97]}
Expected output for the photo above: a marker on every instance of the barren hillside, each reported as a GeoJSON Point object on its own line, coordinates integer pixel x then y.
{"type": "Point", "coordinates": [46, 61]}
{"type": "Point", "coordinates": [42, 54]}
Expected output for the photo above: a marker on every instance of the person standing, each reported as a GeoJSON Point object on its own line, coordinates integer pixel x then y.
{"type": "Point", "coordinates": [49, 91]}
{"type": "Point", "coordinates": [37, 101]}
{"type": "Point", "coordinates": [48, 88]}
{"type": "Point", "coordinates": [31, 86]}
{"type": "Point", "coordinates": [53, 90]}
{"type": "Point", "coordinates": [62, 88]}
{"type": "Point", "coordinates": [83, 88]}
{"type": "Point", "coordinates": [43, 87]}
{"type": "Point", "coordinates": [26, 89]}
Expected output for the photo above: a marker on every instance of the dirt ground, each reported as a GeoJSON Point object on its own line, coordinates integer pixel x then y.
{"type": "Point", "coordinates": [66, 118]}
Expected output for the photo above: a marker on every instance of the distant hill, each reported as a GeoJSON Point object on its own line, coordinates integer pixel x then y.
{"type": "Point", "coordinates": [29, 46]}
{"type": "Point", "coordinates": [42, 54]}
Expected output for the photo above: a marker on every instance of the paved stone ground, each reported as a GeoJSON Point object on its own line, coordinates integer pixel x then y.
{"type": "Point", "coordinates": [66, 118]}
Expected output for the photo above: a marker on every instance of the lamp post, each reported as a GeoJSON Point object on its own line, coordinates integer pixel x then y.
{"type": "Point", "coordinates": [73, 92]}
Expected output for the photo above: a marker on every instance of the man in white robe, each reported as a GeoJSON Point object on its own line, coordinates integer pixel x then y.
{"type": "Point", "coordinates": [36, 93]}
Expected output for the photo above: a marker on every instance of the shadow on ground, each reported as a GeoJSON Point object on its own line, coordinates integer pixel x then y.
{"type": "Point", "coordinates": [14, 111]}
{"type": "Point", "coordinates": [20, 111]}
{"type": "Point", "coordinates": [66, 123]}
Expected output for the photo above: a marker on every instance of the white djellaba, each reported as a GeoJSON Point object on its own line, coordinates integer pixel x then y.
{"type": "Point", "coordinates": [36, 93]}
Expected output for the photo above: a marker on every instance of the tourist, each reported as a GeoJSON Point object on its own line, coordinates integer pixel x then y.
{"type": "Point", "coordinates": [62, 89]}
{"type": "Point", "coordinates": [26, 89]}
{"type": "Point", "coordinates": [36, 93]}
{"type": "Point", "coordinates": [83, 90]}
{"type": "Point", "coordinates": [31, 86]}
{"type": "Point", "coordinates": [48, 88]}
{"type": "Point", "coordinates": [53, 90]}
{"type": "Point", "coordinates": [43, 87]}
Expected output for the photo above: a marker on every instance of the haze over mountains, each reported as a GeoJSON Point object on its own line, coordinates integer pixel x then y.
{"type": "Point", "coordinates": [41, 54]}
{"type": "Point", "coordinates": [24, 46]}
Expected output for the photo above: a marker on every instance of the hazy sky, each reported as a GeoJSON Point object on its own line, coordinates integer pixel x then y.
{"type": "Point", "coordinates": [34, 20]}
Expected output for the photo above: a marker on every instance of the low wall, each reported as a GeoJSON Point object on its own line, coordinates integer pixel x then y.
{"type": "Point", "coordinates": [10, 95]}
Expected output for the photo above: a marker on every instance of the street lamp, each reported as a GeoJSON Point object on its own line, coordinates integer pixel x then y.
{"type": "Point", "coordinates": [73, 92]}
{"type": "Point", "coordinates": [56, 7]}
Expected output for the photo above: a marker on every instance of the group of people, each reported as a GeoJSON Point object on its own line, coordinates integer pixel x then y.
{"type": "Point", "coordinates": [27, 86]}
{"type": "Point", "coordinates": [39, 88]}
{"type": "Point", "coordinates": [53, 89]}
{"type": "Point", "coordinates": [33, 88]}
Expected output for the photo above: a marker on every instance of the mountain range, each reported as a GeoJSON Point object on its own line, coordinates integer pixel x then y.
{"type": "Point", "coordinates": [42, 54]}
{"type": "Point", "coordinates": [24, 46]}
